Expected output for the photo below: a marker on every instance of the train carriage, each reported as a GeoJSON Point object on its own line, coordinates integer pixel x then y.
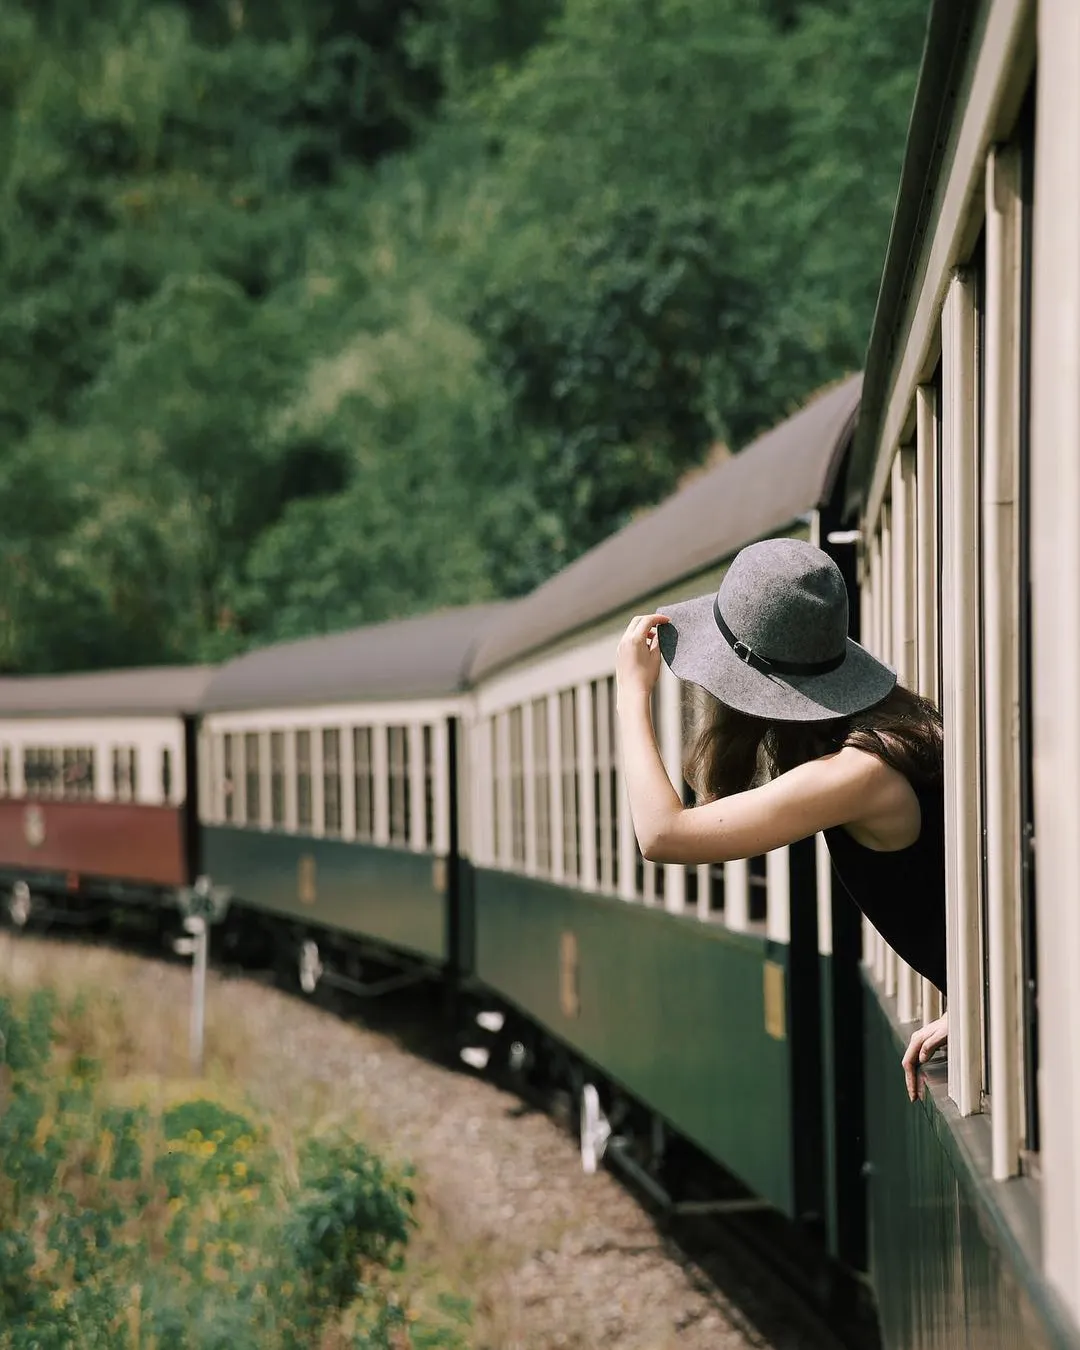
{"type": "Point", "coordinates": [97, 791]}
{"type": "Point", "coordinates": [329, 801]}
{"type": "Point", "coordinates": [695, 992]}
{"type": "Point", "coordinates": [965, 486]}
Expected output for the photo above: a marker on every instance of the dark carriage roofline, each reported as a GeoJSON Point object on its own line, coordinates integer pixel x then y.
{"type": "Point", "coordinates": [949, 31]}
{"type": "Point", "coordinates": [770, 485]}
{"type": "Point", "coordinates": [144, 691]}
{"type": "Point", "coordinates": [423, 657]}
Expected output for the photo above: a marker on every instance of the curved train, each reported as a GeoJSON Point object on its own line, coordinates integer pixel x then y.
{"type": "Point", "coordinates": [440, 798]}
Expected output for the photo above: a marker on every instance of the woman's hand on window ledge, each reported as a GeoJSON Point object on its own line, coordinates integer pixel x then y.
{"type": "Point", "coordinates": [923, 1045]}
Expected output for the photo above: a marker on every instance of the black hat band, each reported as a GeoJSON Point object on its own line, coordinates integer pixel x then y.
{"type": "Point", "coordinates": [767, 665]}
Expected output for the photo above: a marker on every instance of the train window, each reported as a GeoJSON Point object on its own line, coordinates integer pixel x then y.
{"type": "Point", "coordinates": [759, 889]}
{"type": "Point", "coordinates": [517, 787]}
{"type": "Point", "coordinates": [124, 773]}
{"type": "Point", "coordinates": [303, 780]}
{"type": "Point", "coordinates": [75, 781]}
{"type": "Point", "coordinates": [428, 736]}
{"type": "Point", "coordinates": [50, 770]}
{"type": "Point", "coordinates": [39, 771]}
{"type": "Point", "coordinates": [277, 778]}
{"type": "Point", "coordinates": [571, 783]}
{"type": "Point", "coordinates": [706, 888]}
{"type": "Point", "coordinates": [166, 775]}
{"type": "Point", "coordinates": [656, 874]}
{"type": "Point", "coordinates": [542, 771]}
{"type": "Point", "coordinates": [85, 768]}
{"type": "Point", "coordinates": [364, 783]}
{"type": "Point", "coordinates": [398, 773]}
{"type": "Point", "coordinates": [603, 801]}
{"type": "Point", "coordinates": [979, 288]}
{"type": "Point", "coordinates": [1028, 966]}
{"type": "Point", "coordinates": [939, 525]}
{"type": "Point", "coordinates": [228, 776]}
{"type": "Point", "coordinates": [252, 779]}
{"type": "Point", "coordinates": [712, 874]}
{"type": "Point", "coordinates": [496, 795]}
{"type": "Point", "coordinates": [331, 754]}
{"type": "Point", "coordinates": [613, 780]}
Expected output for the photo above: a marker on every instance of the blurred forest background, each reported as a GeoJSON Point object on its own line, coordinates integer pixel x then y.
{"type": "Point", "coordinates": [318, 312]}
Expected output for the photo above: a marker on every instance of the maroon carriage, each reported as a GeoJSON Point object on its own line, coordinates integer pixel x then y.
{"type": "Point", "coordinates": [98, 790]}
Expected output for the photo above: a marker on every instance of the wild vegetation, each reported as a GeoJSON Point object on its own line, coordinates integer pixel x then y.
{"type": "Point", "coordinates": [136, 1216]}
{"type": "Point", "coordinates": [316, 313]}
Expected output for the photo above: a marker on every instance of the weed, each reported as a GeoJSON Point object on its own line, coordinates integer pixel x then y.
{"type": "Point", "coordinates": [141, 1225]}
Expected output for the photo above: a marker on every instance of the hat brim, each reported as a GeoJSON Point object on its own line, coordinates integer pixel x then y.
{"type": "Point", "coordinates": [696, 651]}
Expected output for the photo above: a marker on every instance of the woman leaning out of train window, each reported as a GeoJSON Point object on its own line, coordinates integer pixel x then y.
{"type": "Point", "coordinates": [810, 733]}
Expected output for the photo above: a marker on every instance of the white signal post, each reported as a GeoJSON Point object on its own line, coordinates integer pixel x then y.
{"type": "Point", "coordinates": [196, 945]}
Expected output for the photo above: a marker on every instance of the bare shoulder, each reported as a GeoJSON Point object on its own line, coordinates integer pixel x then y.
{"type": "Point", "coordinates": [860, 786]}
{"type": "Point", "coordinates": [885, 810]}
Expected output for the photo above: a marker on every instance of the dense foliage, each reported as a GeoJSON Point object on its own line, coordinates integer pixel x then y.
{"type": "Point", "coordinates": [185, 1226]}
{"type": "Point", "coordinates": [316, 313]}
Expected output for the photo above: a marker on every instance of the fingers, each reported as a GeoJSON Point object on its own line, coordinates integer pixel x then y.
{"type": "Point", "coordinates": [911, 1071]}
{"type": "Point", "coordinates": [640, 624]}
{"type": "Point", "coordinates": [642, 628]}
{"type": "Point", "coordinates": [922, 1046]}
{"type": "Point", "coordinates": [932, 1042]}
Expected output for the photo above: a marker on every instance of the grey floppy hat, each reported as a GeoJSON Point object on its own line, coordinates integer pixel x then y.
{"type": "Point", "coordinates": [773, 640]}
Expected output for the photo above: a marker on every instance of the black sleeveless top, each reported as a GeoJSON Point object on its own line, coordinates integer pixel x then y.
{"type": "Point", "coordinates": [902, 893]}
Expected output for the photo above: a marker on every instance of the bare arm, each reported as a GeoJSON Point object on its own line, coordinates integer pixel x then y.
{"type": "Point", "coordinates": [842, 788]}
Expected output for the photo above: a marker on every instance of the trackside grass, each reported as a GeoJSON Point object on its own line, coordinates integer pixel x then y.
{"type": "Point", "coordinates": [143, 1210]}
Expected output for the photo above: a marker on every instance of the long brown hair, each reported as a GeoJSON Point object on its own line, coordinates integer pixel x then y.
{"type": "Point", "coordinates": [735, 751]}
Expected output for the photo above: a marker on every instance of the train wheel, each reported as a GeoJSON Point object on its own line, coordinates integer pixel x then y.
{"type": "Point", "coordinates": [309, 966]}
{"type": "Point", "coordinates": [19, 905]}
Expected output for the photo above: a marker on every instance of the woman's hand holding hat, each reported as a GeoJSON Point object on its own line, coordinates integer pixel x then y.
{"type": "Point", "coordinates": [637, 661]}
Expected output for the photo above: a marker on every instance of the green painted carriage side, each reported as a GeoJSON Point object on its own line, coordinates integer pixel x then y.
{"type": "Point", "coordinates": [953, 1257]}
{"type": "Point", "coordinates": [671, 1008]}
{"type": "Point", "coordinates": [843, 1084]}
{"type": "Point", "coordinates": [384, 894]}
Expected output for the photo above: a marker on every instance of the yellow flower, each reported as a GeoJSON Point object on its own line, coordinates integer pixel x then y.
{"type": "Point", "coordinates": [240, 1170]}
{"type": "Point", "coordinates": [191, 1244]}
{"type": "Point", "coordinates": [60, 1298]}
{"type": "Point", "coordinates": [208, 1148]}
{"type": "Point", "coordinates": [176, 1204]}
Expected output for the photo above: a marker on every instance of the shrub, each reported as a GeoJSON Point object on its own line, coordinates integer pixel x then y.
{"type": "Point", "coordinates": [130, 1225]}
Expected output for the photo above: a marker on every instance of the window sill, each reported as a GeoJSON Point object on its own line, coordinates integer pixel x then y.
{"type": "Point", "coordinates": [1013, 1207]}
